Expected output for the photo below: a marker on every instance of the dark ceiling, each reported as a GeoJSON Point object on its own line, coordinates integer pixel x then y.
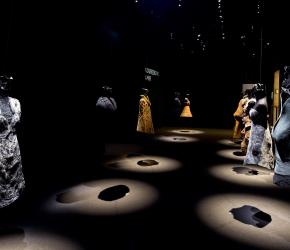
{"type": "Point", "coordinates": [53, 47]}
{"type": "Point", "coordinates": [185, 39]}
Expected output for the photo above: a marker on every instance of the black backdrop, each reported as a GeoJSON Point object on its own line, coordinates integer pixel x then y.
{"type": "Point", "coordinates": [61, 53]}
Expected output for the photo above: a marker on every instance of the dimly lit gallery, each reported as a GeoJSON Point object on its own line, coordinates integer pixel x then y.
{"type": "Point", "coordinates": [144, 124]}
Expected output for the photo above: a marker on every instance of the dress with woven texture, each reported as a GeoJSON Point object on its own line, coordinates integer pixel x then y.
{"type": "Point", "coordinates": [11, 176]}
{"type": "Point", "coordinates": [145, 124]}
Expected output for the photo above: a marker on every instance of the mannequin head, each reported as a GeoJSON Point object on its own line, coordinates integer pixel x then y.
{"type": "Point", "coordinates": [177, 94]}
{"type": "Point", "coordinates": [285, 88]}
{"type": "Point", "coordinates": [145, 91]}
{"type": "Point", "coordinates": [259, 90]}
{"type": "Point", "coordinates": [106, 90]}
{"type": "Point", "coordinates": [286, 73]}
{"type": "Point", "coordinates": [5, 84]}
{"type": "Point", "coordinates": [248, 93]}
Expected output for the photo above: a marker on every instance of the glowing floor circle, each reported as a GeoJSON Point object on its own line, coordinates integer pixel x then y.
{"type": "Point", "coordinates": [86, 198]}
{"type": "Point", "coordinates": [176, 139]}
{"type": "Point", "coordinates": [215, 212]}
{"type": "Point", "coordinates": [24, 239]}
{"type": "Point", "coordinates": [133, 164]}
{"type": "Point", "coordinates": [229, 143]}
{"type": "Point", "coordinates": [233, 154]}
{"type": "Point", "coordinates": [244, 175]}
{"type": "Point", "coordinates": [187, 131]}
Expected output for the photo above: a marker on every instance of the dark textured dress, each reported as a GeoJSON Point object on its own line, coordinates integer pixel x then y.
{"type": "Point", "coordinates": [11, 175]}
{"type": "Point", "coordinates": [260, 144]}
{"type": "Point", "coordinates": [281, 139]}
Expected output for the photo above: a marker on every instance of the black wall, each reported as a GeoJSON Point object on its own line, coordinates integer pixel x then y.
{"type": "Point", "coordinates": [61, 53]}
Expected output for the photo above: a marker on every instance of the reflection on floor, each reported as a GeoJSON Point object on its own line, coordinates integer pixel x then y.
{"type": "Point", "coordinates": [170, 190]}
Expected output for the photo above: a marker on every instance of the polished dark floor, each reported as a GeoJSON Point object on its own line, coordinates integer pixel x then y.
{"type": "Point", "coordinates": [170, 221]}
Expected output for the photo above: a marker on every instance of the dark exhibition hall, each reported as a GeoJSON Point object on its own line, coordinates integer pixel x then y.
{"type": "Point", "coordinates": [144, 124]}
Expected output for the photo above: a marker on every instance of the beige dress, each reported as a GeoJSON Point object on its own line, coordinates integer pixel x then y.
{"type": "Point", "coordinates": [186, 110]}
{"type": "Point", "coordinates": [145, 124]}
{"type": "Point", "coordinates": [238, 115]}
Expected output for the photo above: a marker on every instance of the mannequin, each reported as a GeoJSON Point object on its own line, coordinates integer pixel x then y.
{"type": "Point", "coordinates": [238, 116]}
{"type": "Point", "coordinates": [145, 124]}
{"type": "Point", "coordinates": [106, 108]}
{"type": "Point", "coordinates": [186, 109]}
{"type": "Point", "coordinates": [259, 150]}
{"type": "Point", "coordinates": [247, 123]}
{"type": "Point", "coordinates": [106, 102]}
{"type": "Point", "coordinates": [177, 105]}
{"type": "Point", "coordinates": [11, 176]}
{"type": "Point", "coordinates": [281, 136]}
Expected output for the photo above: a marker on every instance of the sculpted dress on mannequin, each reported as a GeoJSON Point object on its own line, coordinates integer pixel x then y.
{"type": "Point", "coordinates": [106, 102]}
{"type": "Point", "coordinates": [145, 124]}
{"type": "Point", "coordinates": [281, 139]}
{"type": "Point", "coordinates": [177, 105]}
{"type": "Point", "coordinates": [259, 150]}
{"type": "Point", "coordinates": [106, 109]}
{"type": "Point", "coordinates": [11, 176]}
{"type": "Point", "coordinates": [237, 136]}
{"type": "Point", "coordinates": [250, 102]}
{"type": "Point", "coordinates": [238, 115]}
{"type": "Point", "coordinates": [186, 109]}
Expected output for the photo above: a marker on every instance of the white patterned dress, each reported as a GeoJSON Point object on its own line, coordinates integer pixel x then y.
{"type": "Point", "coordinates": [11, 176]}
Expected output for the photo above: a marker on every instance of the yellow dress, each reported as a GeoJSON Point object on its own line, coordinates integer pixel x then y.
{"type": "Point", "coordinates": [145, 124]}
{"type": "Point", "coordinates": [238, 115]}
{"type": "Point", "coordinates": [186, 110]}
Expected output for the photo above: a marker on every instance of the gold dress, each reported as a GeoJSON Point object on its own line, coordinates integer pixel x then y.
{"type": "Point", "coordinates": [145, 124]}
{"type": "Point", "coordinates": [186, 110]}
{"type": "Point", "coordinates": [238, 115]}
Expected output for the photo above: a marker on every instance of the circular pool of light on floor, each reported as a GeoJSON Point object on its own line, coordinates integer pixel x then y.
{"type": "Point", "coordinates": [176, 139]}
{"type": "Point", "coordinates": [215, 212]}
{"type": "Point", "coordinates": [131, 164]}
{"type": "Point", "coordinates": [85, 198]}
{"type": "Point", "coordinates": [232, 154]}
{"type": "Point", "coordinates": [247, 175]}
{"type": "Point", "coordinates": [230, 143]}
{"type": "Point", "coordinates": [28, 239]}
{"type": "Point", "coordinates": [186, 131]}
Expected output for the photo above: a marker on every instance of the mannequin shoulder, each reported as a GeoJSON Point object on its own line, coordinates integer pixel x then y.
{"type": "Point", "coordinates": [15, 102]}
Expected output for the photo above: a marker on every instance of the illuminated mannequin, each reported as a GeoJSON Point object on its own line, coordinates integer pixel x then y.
{"type": "Point", "coordinates": [11, 176]}
{"type": "Point", "coordinates": [106, 102]}
{"type": "Point", "coordinates": [259, 150]}
{"type": "Point", "coordinates": [238, 115]}
{"type": "Point", "coordinates": [177, 105]}
{"type": "Point", "coordinates": [186, 109]}
{"type": "Point", "coordinates": [247, 123]}
{"type": "Point", "coordinates": [145, 124]}
{"type": "Point", "coordinates": [106, 108]}
{"type": "Point", "coordinates": [281, 136]}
